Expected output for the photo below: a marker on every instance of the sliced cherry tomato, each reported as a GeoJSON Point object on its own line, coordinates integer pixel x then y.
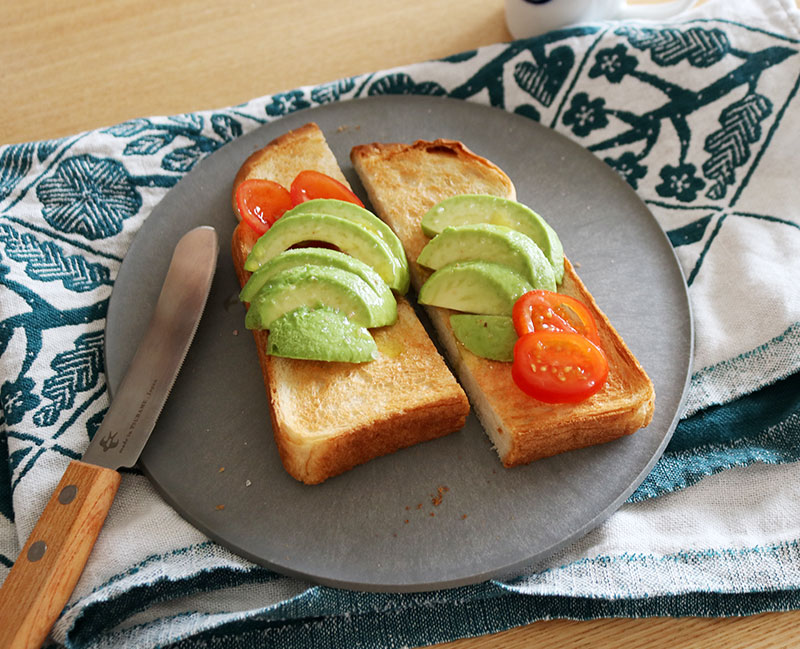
{"type": "Point", "coordinates": [310, 184]}
{"type": "Point", "coordinates": [547, 311]}
{"type": "Point", "coordinates": [261, 203]}
{"type": "Point", "coordinates": [558, 367]}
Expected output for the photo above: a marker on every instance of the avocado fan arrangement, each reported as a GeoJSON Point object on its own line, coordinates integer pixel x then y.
{"type": "Point", "coordinates": [320, 303]}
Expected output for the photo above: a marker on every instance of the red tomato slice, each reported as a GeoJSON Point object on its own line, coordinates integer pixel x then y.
{"type": "Point", "coordinates": [310, 184]}
{"type": "Point", "coordinates": [261, 203]}
{"type": "Point", "coordinates": [547, 311]}
{"type": "Point", "coordinates": [558, 367]}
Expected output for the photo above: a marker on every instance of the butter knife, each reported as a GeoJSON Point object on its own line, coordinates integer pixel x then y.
{"type": "Point", "coordinates": [52, 560]}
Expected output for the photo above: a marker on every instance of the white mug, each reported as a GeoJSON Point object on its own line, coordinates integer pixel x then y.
{"type": "Point", "coordinates": [526, 18]}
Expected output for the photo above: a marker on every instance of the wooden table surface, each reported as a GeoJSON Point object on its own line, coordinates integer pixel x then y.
{"type": "Point", "coordinates": [68, 66]}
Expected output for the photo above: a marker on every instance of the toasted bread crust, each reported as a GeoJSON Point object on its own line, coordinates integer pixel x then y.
{"type": "Point", "coordinates": [393, 179]}
{"type": "Point", "coordinates": [285, 157]}
{"type": "Point", "coordinates": [329, 417]}
{"type": "Point", "coordinates": [403, 182]}
{"type": "Point", "coordinates": [524, 429]}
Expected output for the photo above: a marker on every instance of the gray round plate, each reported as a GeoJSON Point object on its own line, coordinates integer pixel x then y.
{"type": "Point", "coordinates": [440, 514]}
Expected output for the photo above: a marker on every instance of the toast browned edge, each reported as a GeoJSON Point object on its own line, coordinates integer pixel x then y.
{"type": "Point", "coordinates": [285, 157]}
{"type": "Point", "coordinates": [429, 417]}
{"type": "Point", "coordinates": [523, 429]}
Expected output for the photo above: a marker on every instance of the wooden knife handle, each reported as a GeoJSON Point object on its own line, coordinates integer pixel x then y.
{"type": "Point", "coordinates": [48, 567]}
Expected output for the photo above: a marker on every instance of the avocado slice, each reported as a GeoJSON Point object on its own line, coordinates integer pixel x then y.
{"type": "Point", "coordinates": [494, 243]}
{"type": "Point", "coordinates": [483, 208]}
{"type": "Point", "coordinates": [297, 334]}
{"type": "Point", "coordinates": [475, 287]}
{"type": "Point", "coordinates": [314, 257]}
{"type": "Point", "coordinates": [362, 216]}
{"type": "Point", "coordinates": [314, 286]}
{"type": "Point", "coordinates": [347, 236]}
{"type": "Point", "coordinates": [488, 336]}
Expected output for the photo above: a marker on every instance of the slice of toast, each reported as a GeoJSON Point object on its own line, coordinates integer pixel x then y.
{"type": "Point", "coordinates": [403, 181]}
{"type": "Point", "coordinates": [328, 417]}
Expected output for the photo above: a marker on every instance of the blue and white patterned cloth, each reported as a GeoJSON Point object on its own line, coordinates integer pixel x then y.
{"type": "Point", "coordinates": [701, 116]}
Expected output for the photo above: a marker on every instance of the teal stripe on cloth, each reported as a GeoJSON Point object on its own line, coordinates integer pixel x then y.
{"type": "Point", "coordinates": [765, 360]}
{"type": "Point", "coordinates": [464, 613]}
{"type": "Point", "coordinates": [446, 621]}
{"type": "Point", "coordinates": [325, 617]}
{"type": "Point", "coordinates": [6, 506]}
{"type": "Point", "coordinates": [7, 544]}
{"type": "Point", "coordinates": [760, 427]}
{"type": "Point", "coordinates": [328, 617]}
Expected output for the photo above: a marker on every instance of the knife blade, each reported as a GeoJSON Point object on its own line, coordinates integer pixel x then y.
{"type": "Point", "coordinates": [52, 560]}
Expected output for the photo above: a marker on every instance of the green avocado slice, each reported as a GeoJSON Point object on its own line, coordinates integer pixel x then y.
{"type": "Point", "coordinates": [488, 336]}
{"type": "Point", "coordinates": [362, 216]}
{"type": "Point", "coordinates": [314, 286]}
{"type": "Point", "coordinates": [483, 208]}
{"type": "Point", "coordinates": [493, 243]}
{"type": "Point", "coordinates": [348, 237]}
{"type": "Point", "coordinates": [298, 334]}
{"type": "Point", "coordinates": [474, 287]}
{"type": "Point", "coordinates": [313, 257]}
